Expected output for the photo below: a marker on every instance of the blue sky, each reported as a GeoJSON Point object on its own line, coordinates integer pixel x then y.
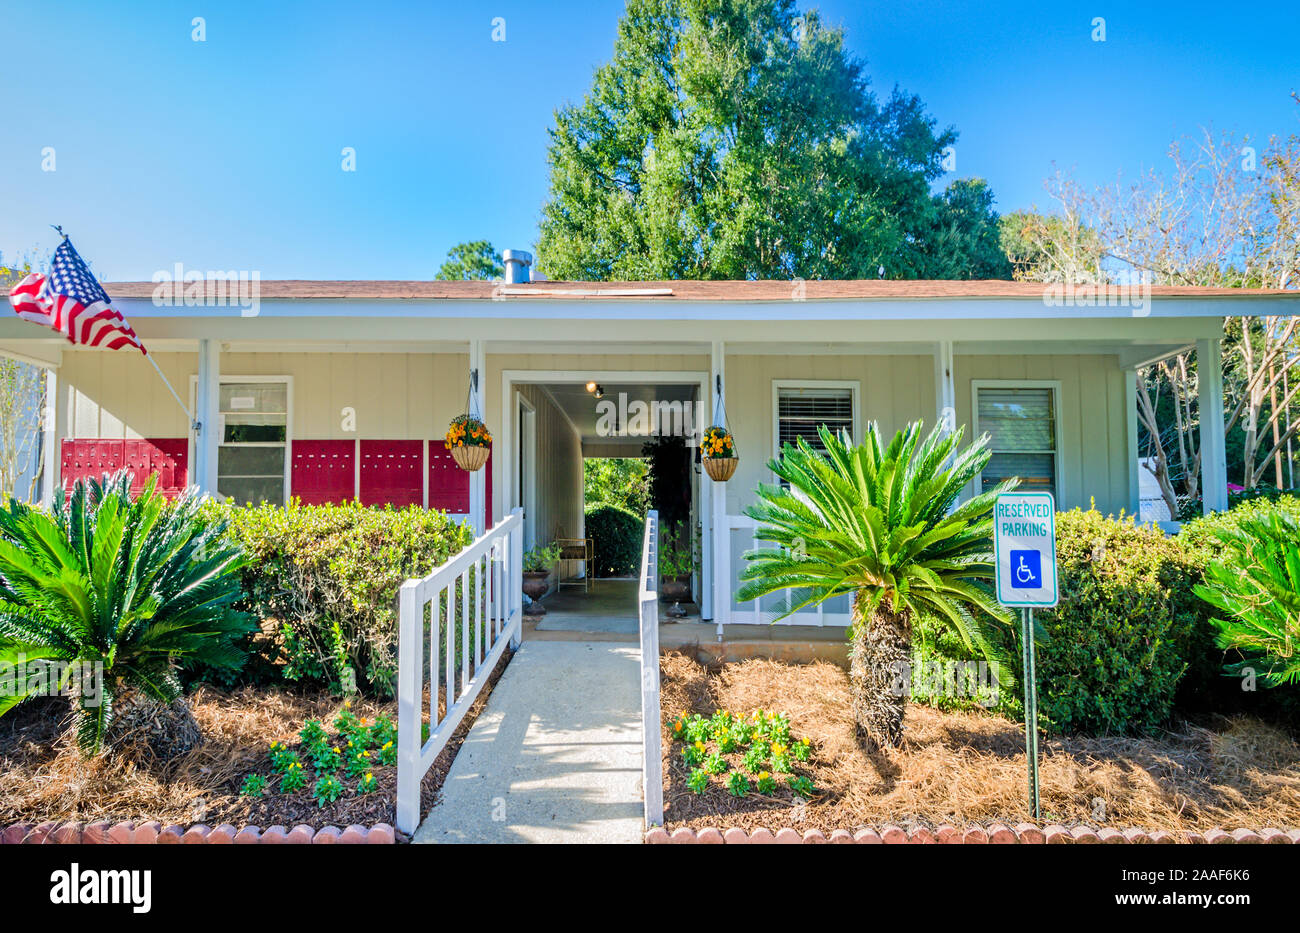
{"type": "Point", "coordinates": [226, 154]}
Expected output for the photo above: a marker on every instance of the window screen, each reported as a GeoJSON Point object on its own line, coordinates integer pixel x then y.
{"type": "Point", "coordinates": [1021, 424]}
{"type": "Point", "coordinates": [800, 411]}
{"type": "Point", "coordinates": [254, 427]}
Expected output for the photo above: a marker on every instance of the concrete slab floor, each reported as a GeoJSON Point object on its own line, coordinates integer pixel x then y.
{"type": "Point", "coordinates": [554, 757]}
{"type": "Point", "coordinates": [610, 606]}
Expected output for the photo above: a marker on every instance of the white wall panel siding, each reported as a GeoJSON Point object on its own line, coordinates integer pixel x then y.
{"type": "Point", "coordinates": [415, 395]}
{"type": "Point", "coordinates": [119, 396]}
{"type": "Point", "coordinates": [559, 471]}
{"type": "Point", "coordinates": [892, 390]}
{"type": "Point", "coordinates": [1092, 420]}
{"type": "Point", "coordinates": [395, 395]}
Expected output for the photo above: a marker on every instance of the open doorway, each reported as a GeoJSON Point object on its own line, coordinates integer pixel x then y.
{"type": "Point", "coordinates": [605, 447]}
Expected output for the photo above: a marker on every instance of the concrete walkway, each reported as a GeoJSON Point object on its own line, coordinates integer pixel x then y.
{"type": "Point", "coordinates": [554, 757]}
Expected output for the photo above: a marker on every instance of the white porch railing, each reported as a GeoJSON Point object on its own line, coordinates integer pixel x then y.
{"type": "Point", "coordinates": [467, 612]}
{"type": "Point", "coordinates": [652, 765]}
{"type": "Point", "coordinates": [754, 612]}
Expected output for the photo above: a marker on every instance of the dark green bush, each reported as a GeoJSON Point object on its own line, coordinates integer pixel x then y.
{"type": "Point", "coordinates": [1202, 532]}
{"type": "Point", "coordinates": [616, 538]}
{"type": "Point", "coordinates": [1128, 642]}
{"type": "Point", "coordinates": [324, 579]}
{"type": "Point", "coordinates": [1129, 627]}
{"type": "Point", "coordinates": [1191, 509]}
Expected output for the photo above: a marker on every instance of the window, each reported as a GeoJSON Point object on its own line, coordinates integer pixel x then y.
{"type": "Point", "coordinates": [1021, 423]}
{"type": "Point", "coordinates": [254, 428]}
{"type": "Point", "coordinates": [801, 408]}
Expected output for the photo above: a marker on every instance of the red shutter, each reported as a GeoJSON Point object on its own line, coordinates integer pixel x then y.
{"type": "Point", "coordinates": [91, 458]}
{"type": "Point", "coordinates": [392, 473]}
{"type": "Point", "coordinates": [449, 484]}
{"type": "Point", "coordinates": [323, 471]}
{"type": "Point", "coordinates": [170, 460]}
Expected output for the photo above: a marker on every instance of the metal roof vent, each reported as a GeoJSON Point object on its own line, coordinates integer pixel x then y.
{"type": "Point", "coordinates": [519, 266]}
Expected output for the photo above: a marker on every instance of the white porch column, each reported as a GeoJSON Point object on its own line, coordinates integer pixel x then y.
{"type": "Point", "coordinates": [945, 390]}
{"type": "Point", "coordinates": [718, 501]}
{"type": "Point", "coordinates": [1131, 439]}
{"type": "Point", "coordinates": [50, 459]}
{"type": "Point", "coordinates": [477, 479]}
{"type": "Point", "coordinates": [206, 408]}
{"type": "Point", "coordinates": [1214, 465]}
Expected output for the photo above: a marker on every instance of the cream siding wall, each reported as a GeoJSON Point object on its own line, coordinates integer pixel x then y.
{"type": "Point", "coordinates": [395, 395]}
{"type": "Point", "coordinates": [1093, 442]}
{"type": "Point", "coordinates": [558, 471]}
{"type": "Point", "coordinates": [891, 390]}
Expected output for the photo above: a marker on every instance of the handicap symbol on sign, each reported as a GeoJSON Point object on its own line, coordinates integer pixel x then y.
{"type": "Point", "coordinates": [1026, 570]}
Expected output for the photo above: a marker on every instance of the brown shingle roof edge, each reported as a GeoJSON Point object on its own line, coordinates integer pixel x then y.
{"type": "Point", "coordinates": [682, 290]}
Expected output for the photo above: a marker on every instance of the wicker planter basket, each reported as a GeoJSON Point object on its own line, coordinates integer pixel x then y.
{"type": "Point", "coordinates": [471, 458]}
{"type": "Point", "coordinates": [721, 469]}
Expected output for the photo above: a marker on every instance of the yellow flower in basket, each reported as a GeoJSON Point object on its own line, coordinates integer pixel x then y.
{"type": "Point", "coordinates": [718, 442]}
{"type": "Point", "coordinates": [467, 430]}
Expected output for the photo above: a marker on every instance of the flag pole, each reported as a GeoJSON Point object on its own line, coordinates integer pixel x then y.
{"type": "Point", "coordinates": [193, 424]}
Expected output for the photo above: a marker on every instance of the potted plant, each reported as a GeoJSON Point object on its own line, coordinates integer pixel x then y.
{"type": "Point", "coordinates": [676, 564]}
{"type": "Point", "coordinates": [537, 569]}
{"type": "Point", "coordinates": [718, 451]}
{"type": "Point", "coordinates": [469, 441]}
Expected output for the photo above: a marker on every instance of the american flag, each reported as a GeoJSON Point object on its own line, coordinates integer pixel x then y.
{"type": "Point", "coordinates": [72, 301]}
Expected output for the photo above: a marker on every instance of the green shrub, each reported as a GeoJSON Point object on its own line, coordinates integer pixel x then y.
{"type": "Point", "coordinates": [616, 537]}
{"type": "Point", "coordinates": [1255, 585]}
{"type": "Point", "coordinates": [1190, 510]}
{"type": "Point", "coordinates": [1127, 629]}
{"type": "Point", "coordinates": [1203, 533]}
{"type": "Point", "coordinates": [944, 675]}
{"type": "Point", "coordinates": [1129, 641]}
{"type": "Point", "coordinates": [541, 558]}
{"type": "Point", "coordinates": [324, 581]}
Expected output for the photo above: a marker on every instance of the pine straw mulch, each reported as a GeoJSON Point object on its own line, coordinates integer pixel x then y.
{"type": "Point", "coordinates": [45, 778]}
{"type": "Point", "coordinates": [963, 768]}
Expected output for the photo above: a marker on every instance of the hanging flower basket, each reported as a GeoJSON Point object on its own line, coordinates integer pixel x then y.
{"type": "Point", "coordinates": [469, 441]}
{"type": "Point", "coordinates": [718, 450]}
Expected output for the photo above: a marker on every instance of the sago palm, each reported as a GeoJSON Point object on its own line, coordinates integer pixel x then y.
{"type": "Point", "coordinates": [1255, 582]}
{"type": "Point", "coordinates": [875, 523]}
{"type": "Point", "coordinates": [123, 588]}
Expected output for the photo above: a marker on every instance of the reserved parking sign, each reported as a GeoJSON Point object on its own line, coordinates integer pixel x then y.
{"type": "Point", "coordinates": [1024, 544]}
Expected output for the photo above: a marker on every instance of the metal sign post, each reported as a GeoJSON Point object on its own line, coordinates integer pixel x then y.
{"type": "Point", "coordinates": [1031, 707]}
{"type": "Point", "coordinates": [1024, 547]}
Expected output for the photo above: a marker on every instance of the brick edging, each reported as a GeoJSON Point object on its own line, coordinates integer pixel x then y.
{"type": "Point", "coordinates": [995, 833]}
{"type": "Point", "coordinates": [104, 833]}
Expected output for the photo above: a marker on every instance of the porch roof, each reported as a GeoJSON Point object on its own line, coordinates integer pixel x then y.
{"type": "Point", "coordinates": [779, 290]}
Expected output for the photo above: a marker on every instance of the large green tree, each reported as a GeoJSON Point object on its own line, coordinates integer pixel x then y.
{"type": "Point", "coordinates": [475, 261]}
{"type": "Point", "coordinates": [732, 139]}
{"type": "Point", "coordinates": [964, 240]}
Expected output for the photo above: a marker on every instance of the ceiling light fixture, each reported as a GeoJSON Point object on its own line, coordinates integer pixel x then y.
{"type": "Point", "coordinates": [600, 391]}
{"type": "Point", "coordinates": [591, 387]}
